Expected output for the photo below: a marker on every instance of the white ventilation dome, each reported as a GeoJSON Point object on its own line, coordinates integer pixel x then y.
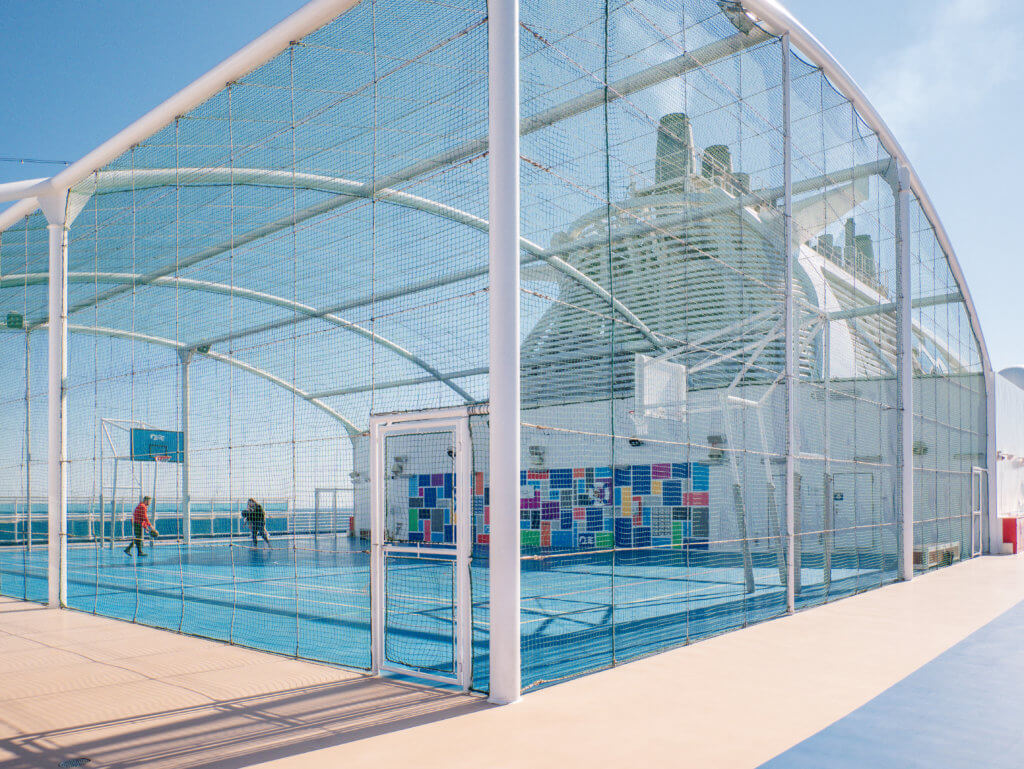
{"type": "Point", "coordinates": [1015, 374]}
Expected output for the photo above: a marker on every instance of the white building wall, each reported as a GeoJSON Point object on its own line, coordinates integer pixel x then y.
{"type": "Point", "coordinates": [1010, 446]}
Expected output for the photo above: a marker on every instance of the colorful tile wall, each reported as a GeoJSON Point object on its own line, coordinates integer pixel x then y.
{"type": "Point", "coordinates": [599, 507]}
{"type": "Point", "coordinates": [431, 508]}
{"type": "Point", "coordinates": [579, 508]}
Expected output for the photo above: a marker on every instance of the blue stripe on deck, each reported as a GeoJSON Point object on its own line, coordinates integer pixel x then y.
{"type": "Point", "coordinates": [962, 710]}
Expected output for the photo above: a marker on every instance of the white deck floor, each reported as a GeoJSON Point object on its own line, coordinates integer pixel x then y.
{"type": "Point", "coordinates": [75, 685]}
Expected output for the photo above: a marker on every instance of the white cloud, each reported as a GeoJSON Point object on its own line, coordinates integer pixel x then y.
{"type": "Point", "coordinates": [966, 50]}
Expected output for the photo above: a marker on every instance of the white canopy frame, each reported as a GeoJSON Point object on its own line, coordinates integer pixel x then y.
{"type": "Point", "coordinates": [133, 280]}
{"type": "Point", "coordinates": [501, 144]}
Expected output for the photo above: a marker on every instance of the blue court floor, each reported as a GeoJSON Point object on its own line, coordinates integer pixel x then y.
{"type": "Point", "coordinates": [963, 710]}
{"type": "Point", "coordinates": [310, 599]}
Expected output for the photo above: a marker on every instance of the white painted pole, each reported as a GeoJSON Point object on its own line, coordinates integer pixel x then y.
{"type": "Point", "coordinates": [790, 310]}
{"type": "Point", "coordinates": [995, 527]}
{"type": "Point", "coordinates": [113, 507]}
{"type": "Point", "coordinates": [55, 209]}
{"type": "Point", "coordinates": [28, 442]}
{"type": "Point", "coordinates": [904, 379]}
{"type": "Point", "coordinates": [503, 205]}
{"type": "Point", "coordinates": [186, 494]}
{"type": "Point", "coordinates": [103, 507]}
{"type": "Point", "coordinates": [464, 544]}
{"type": "Point", "coordinates": [152, 498]}
{"type": "Point", "coordinates": [376, 476]}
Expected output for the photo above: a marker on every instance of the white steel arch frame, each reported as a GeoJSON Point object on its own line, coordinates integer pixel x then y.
{"type": "Point", "coordinates": [503, 159]}
{"type": "Point", "coordinates": [503, 226]}
{"type": "Point", "coordinates": [117, 333]}
{"type": "Point", "coordinates": [125, 180]}
{"type": "Point", "coordinates": [769, 13]}
{"type": "Point", "coordinates": [134, 336]}
{"type": "Point", "coordinates": [131, 279]}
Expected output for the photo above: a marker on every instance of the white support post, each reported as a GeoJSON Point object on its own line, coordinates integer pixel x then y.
{"type": "Point", "coordinates": [186, 495]}
{"type": "Point", "coordinates": [55, 209]}
{"type": "Point", "coordinates": [904, 379]}
{"type": "Point", "coordinates": [791, 328]}
{"type": "Point", "coordinates": [375, 466]}
{"type": "Point", "coordinates": [28, 443]}
{"type": "Point", "coordinates": [113, 506]}
{"type": "Point", "coordinates": [995, 527]}
{"type": "Point", "coordinates": [103, 506]}
{"type": "Point", "coordinates": [503, 206]}
{"type": "Point", "coordinates": [152, 497]}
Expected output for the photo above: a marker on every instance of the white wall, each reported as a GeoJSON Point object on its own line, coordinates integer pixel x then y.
{"type": "Point", "coordinates": [1010, 445]}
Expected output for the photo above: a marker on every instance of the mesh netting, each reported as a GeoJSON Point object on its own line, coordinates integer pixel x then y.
{"type": "Point", "coordinates": [654, 281]}
{"type": "Point", "coordinates": [949, 410]}
{"type": "Point", "coordinates": [305, 248]}
{"type": "Point", "coordinates": [23, 410]}
{"type": "Point", "coordinates": [309, 247]}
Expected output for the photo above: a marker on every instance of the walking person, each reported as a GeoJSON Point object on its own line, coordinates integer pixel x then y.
{"type": "Point", "coordinates": [257, 520]}
{"type": "Point", "coordinates": [140, 521]}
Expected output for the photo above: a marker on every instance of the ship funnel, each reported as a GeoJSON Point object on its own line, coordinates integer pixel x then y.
{"type": "Point", "coordinates": [674, 155]}
{"type": "Point", "coordinates": [849, 250]}
{"type": "Point", "coordinates": [865, 254]}
{"type": "Point", "coordinates": [717, 163]}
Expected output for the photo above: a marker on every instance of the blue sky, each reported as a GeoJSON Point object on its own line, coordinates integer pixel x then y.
{"type": "Point", "coordinates": [945, 74]}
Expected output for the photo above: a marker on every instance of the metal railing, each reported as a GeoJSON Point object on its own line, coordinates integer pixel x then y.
{"type": "Point", "coordinates": [210, 518]}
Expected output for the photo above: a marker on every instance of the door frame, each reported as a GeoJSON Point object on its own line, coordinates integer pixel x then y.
{"type": "Point", "coordinates": [383, 426]}
{"type": "Point", "coordinates": [979, 492]}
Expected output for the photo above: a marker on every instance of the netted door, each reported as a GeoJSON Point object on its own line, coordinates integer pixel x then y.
{"type": "Point", "coordinates": [420, 539]}
{"type": "Point", "coordinates": [979, 507]}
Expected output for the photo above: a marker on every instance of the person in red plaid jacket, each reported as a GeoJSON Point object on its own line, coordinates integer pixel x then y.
{"type": "Point", "coordinates": [140, 521]}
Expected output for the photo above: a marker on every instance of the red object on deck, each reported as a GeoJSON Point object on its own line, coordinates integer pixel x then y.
{"type": "Point", "coordinates": [1013, 533]}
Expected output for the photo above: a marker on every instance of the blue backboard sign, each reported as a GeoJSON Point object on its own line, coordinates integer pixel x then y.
{"type": "Point", "coordinates": [156, 445]}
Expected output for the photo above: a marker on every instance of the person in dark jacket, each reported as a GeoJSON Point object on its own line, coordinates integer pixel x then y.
{"type": "Point", "coordinates": [257, 520]}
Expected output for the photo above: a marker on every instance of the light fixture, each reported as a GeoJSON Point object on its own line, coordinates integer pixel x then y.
{"type": "Point", "coordinates": [397, 466]}
{"type": "Point", "coordinates": [716, 444]}
{"type": "Point", "coordinates": [536, 455]}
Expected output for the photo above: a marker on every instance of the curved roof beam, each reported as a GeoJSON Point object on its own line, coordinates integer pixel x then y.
{"type": "Point", "coordinates": [117, 333]}
{"type": "Point", "coordinates": [308, 18]}
{"type": "Point", "coordinates": [135, 179]}
{"type": "Point", "coordinates": [244, 293]}
{"type": "Point", "coordinates": [882, 169]}
{"type": "Point", "coordinates": [779, 21]}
